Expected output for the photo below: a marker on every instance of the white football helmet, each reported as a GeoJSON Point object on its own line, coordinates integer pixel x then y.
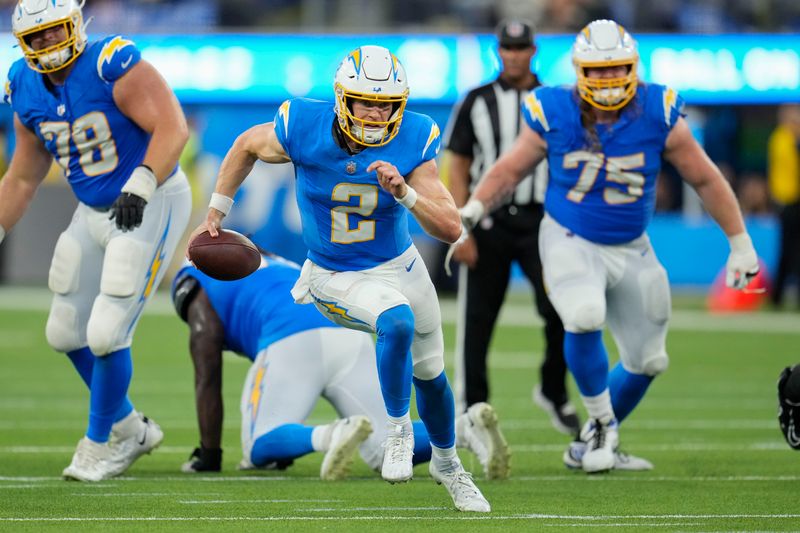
{"type": "Point", "coordinates": [604, 43]}
{"type": "Point", "coordinates": [370, 73]}
{"type": "Point", "coordinates": [31, 16]}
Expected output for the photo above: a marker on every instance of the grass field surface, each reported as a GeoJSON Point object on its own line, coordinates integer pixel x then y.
{"type": "Point", "coordinates": [708, 425]}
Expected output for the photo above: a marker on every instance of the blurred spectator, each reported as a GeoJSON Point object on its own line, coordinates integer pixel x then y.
{"type": "Point", "coordinates": [753, 194]}
{"type": "Point", "coordinates": [720, 139]}
{"type": "Point", "coordinates": [784, 183]}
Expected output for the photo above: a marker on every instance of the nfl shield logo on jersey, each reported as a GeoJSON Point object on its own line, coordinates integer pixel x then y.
{"type": "Point", "coordinates": [350, 167]}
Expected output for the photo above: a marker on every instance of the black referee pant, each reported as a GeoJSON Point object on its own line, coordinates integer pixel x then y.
{"type": "Point", "coordinates": [789, 258]}
{"type": "Point", "coordinates": [483, 289]}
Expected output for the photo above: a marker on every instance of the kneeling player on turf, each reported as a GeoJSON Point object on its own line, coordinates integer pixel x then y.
{"type": "Point", "coordinates": [298, 356]}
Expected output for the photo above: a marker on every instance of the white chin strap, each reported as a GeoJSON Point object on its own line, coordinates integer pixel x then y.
{"type": "Point", "coordinates": [55, 59]}
{"type": "Point", "coordinates": [371, 135]}
{"type": "Point", "coordinates": [609, 96]}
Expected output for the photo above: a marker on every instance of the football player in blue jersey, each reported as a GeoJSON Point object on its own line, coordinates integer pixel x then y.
{"type": "Point", "coordinates": [604, 139]}
{"type": "Point", "coordinates": [360, 163]}
{"type": "Point", "coordinates": [116, 129]}
{"type": "Point", "coordinates": [298, 356]}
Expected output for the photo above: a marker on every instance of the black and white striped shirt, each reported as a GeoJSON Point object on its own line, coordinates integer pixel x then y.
{"type": "Point", "coordinates": [484, 125]}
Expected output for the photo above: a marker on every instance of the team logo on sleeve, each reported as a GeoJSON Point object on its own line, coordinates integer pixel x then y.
{"type": "Point", "coordinates": [283, 112]}
{"type": "Point", "coordinates": [536, 110]}
{"type": "Point", "coordinates": [112, 47]}
{"type": "Point", "coordinates": [670, 101]}
{"type": "Point", "coordinates": [434, 134]}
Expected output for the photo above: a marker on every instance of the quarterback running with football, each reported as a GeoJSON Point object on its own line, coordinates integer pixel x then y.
{"type": "Point", "coordinates": [604, 139]}
{"type": "Point", "coordinates": [360, 163]}
{"type": "Point", "coordinates": [114, 126]}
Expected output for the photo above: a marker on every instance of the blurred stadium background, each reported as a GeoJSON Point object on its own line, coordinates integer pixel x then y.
{"type": "Point", "coordinates": [232, 62]}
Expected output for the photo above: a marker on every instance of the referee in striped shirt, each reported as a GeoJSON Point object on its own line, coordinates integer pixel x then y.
{"type": "Point", "coordinates": [482, 126]}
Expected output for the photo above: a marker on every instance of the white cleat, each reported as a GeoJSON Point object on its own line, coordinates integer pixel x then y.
{"type": "Point", "coordinates": [601, 441]}
{"type": "Point", "coordinates": [346, 435]}
{"type": "Point", "coordinates": [573, 459]}
{"type": "Point", "coordinates": [397, 453]}
{"type": "Point", "coordinates": [132, 437]}
{"type": "Point", "coordinates": [459, 484]}
{"type": "Point", "coordinates": [90, 462]}
{"type": "Point", "coordinates": [478, 431]}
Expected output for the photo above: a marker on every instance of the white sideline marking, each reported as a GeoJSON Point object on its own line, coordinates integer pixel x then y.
{"type": "Point", "coordinates": [587, 518]}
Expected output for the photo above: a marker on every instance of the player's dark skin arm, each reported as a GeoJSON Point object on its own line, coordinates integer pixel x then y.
{"type": "Point", "coordinates": [206, 340]}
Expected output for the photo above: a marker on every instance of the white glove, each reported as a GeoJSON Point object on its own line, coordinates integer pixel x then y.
{"type": "Point", "coordinates": [742, 264]}
{"type": "Point", "coordinates": [471, 214]}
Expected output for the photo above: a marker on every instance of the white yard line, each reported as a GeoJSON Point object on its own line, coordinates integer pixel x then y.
{"type": "Point", "coordinates": [47, 481]}
{"type": "Point", "coordinates": [590, 520]}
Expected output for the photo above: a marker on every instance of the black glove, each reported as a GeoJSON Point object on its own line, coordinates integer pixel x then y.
{"type": "Point", "coordinates": [128, 209]}
{"type": "Point", "coordinates": [204, 460]}
{"type": "Point", "coordinates": [789, 407]}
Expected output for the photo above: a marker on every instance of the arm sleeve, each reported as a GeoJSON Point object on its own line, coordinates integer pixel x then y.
{"type": "Point", "coordinates": [460, 134]}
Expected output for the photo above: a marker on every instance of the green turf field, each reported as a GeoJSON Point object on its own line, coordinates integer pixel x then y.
{"type": "Point", "coordinates": [708, 425]}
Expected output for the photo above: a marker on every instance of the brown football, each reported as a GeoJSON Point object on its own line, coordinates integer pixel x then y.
{"type": "Point", "coordinates": [227, 257]}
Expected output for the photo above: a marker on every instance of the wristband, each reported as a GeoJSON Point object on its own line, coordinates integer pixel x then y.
{"type": "Point", "coordinates": [409, 199]}
{"type": "Point", "coordinates": [221, 203]}
{"type": "Point", "coordinates": [142, 183]}
{"type": "Point", "coordinates": [740, 242]}
{"type": "Point", "coordinates": [2, 233]}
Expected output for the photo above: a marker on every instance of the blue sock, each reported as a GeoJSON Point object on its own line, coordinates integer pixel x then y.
{"type": "Point", "coordinates": [422, 444]}
{"type": "Point", "coordinates": [437, 410]}
{"type": "Point", "coordinates": [587, 360]}
{"type": "Point", "coordinates": [83, 361]}
{"type": "Point", "coordinates": [626, 389]}
{"type": "Point", "coordinates": [284, 442]}
{"type": "Point", "coordinates": [395, 328]}
{"type": "Point", "coordinates": [111, 376]}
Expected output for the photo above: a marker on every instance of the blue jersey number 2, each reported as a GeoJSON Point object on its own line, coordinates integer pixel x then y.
{"type": "Point", "coordinates": [367, 196]}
